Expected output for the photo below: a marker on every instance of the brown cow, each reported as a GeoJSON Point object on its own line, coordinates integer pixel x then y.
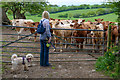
{"type": "Point", "coordinates": [78, 33]}
{"type": "Point", "coordinates": [32, 30]}
{"type": "Point", "coordinates": [114, 34]}
{"type": "Point", "coordinates": [62, 33]}
{"type": "Point", "coordinates": [97, 34]}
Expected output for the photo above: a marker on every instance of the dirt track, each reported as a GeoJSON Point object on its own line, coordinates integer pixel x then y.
{"type": "Point", "coordinates": [79, 69]}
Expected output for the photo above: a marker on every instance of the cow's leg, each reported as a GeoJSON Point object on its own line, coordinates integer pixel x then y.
{"type": "Point", "coordinates": [61, 46]}
{"type": "Point", "coordinates": [66, 44]}
{"type": "Point", "coordinates": [55, 43]}
{"type": "Point", "coordinates": [19, 32]}
{"type": "Point", "coordinates": [35, 37]}
{"type": "Point", "coordinates": [93, 44]}
{"type": "Point", "coordinates": [31, 32]}
{"type": "Point", "coordinates": [77, 46]}
{"type": "Point", "coordinates": [81, 46]}
{"type": "Point", "coordinates": [115, 40]}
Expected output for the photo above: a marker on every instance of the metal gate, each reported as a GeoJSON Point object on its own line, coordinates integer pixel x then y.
{"type": "Point", "coordinates": [22, 46]}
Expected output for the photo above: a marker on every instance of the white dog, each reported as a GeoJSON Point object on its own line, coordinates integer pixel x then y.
{"type": "Point", "coordinates": [16, 61]}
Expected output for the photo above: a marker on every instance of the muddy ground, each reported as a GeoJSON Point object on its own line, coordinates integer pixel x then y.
{"type": "Point", "coordinates": [62, 65]}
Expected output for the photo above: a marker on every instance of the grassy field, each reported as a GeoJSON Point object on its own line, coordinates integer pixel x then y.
{"type": "Point", "coordinates": [108, 17]}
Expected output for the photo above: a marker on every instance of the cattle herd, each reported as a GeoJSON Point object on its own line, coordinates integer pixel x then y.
{"type": "Point", "coordinates": [96, 36]}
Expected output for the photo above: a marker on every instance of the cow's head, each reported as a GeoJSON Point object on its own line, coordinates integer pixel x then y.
{"type": "Point", "coordinates": [98, 21]}
{"type": "Point", "coordinates": [106, 24]}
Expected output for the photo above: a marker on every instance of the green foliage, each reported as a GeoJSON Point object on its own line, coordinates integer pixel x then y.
{"type": "Point", "coordinates": [39, 15]}
{"type": "Point", "coordinates": [23, 7]}
{"type": "Point", "coordinates": [76, 15]}
{"type": "Point", "coordinates": [27, 14]}
{"type": "Point", "coordinates": [63, 15]}
{"type": "Point", "coordinates": [84, 15]}
{"type": "Point", "coordinates": [91, 13]}
{"type": "Point", "coordinates": [70, 15]}
{"type": "Point", "coordinates": [9, 12]}
{"type": "Point", "coordinates": [110, 62]}
{"type": "Point", "coordinates": [116, 8]}
{"type": "Point", "coordinates": [63, 8]}
{"type": "Point", "coordinates": [100, 11]}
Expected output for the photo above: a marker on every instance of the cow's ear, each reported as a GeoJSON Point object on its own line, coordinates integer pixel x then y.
{"type": "Point", "coordinates": [37, 22]}
{"type": "Point", "coordinates": [17, 21]}
{"type": "Point", "coordinates": [83, 20]}
{"type": "Point", "coordinates": [58, 19]}
{"type": "Point", "coordinates": [110, 22]}
{"type": "Point", "coordinates": [76, 20]}
{"type": "Point", "coordinates": [103, 22]}
{"type": "Point", "coordinates": [90, 22]}
{"type": "Point", "coordinates": [95, 19]}
{"type": "Point", "coordinates": [73, 21]}
{"type": "Point", "coordinates": [33, 23]}
{"type": "Point", "coordinates": [71, 25]}
{"type": "Point", "coordinates": [25, 22]}
{"type": "Point", "coordinates": [68, 22]}
{"type": "Point", "coordinates": [57, 22]}
{"type": "Point", "coordinates": [10, 20]}
{"type": "Point", "coordinates": [102, 19]}
{"type": "Point", "coordinates": [62, 23]}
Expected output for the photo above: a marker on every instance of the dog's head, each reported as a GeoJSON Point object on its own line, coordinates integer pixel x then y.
{"type": "Point", "coordinates": [14, 56]}
{"type": "Point", "coordinates": [29, 57]}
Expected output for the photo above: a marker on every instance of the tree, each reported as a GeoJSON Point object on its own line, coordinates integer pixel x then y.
{"type": "Point", "coordinates": [19, 8]}
{"type": "Point", "coordinates": [5, 19]}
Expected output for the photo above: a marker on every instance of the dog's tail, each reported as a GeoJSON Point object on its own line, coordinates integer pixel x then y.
{"type": "Point", "coordinates": [14, 56]}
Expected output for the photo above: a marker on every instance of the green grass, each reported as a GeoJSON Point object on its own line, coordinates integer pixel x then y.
{"type": "Point", "coordinates": [109, 17]}
{"type": "Point", "coordinates": [73, 12]}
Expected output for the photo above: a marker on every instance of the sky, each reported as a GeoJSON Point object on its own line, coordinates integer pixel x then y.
{"type": "Point", "coordinates": [75, 2]}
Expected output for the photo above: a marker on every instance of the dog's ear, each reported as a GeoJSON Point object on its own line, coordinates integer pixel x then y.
{"type": "Point", "coordinates": [32, 56]}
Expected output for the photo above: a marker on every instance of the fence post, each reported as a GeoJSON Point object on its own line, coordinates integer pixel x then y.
{"type": "Point", "coordinates": [108, 38]}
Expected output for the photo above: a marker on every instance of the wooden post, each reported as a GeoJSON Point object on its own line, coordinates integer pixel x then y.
{"type": "Point", "coordinates": [118, 30]}
{"type": "Point", "coordinates": [109, 38]}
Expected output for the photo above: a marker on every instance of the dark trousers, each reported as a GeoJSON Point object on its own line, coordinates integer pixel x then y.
{"type": "Point", "coordinates": [44, 53]}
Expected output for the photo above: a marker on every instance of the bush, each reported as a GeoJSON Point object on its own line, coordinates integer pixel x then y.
{"type": "Point", "coordinates": [91, 13]}
{"type": "Point", "coordinates": [100, 11]}
{"type": "Point", "coordinates": [84, 15]}
{"type": "Point", "coordinates": [39, 15]}
{"type": "Point", "coordinates": [27, 14]}
{"type": "Point", "coordinates": [76, 15]}
{"type": "Point", "coordinates": [9, 12]}
{"type": "Point", "coordinates": [63, 15]}
{"type": "Point", "coordinates": [110, 63]}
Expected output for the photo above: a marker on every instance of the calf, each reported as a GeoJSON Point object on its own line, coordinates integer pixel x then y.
{"type": "Point", "coordinates": [97, 34]}
{"type": "Point", "coordinates": [114, 34]}
{"type": "Point", "coordinates": [62, 33]}
{"type": "Point", "coordinates": [20, 22]}
{"type": "Point", "coordinates": [78, 33]}
{"type": "Point", "coordinates": [32, 30]}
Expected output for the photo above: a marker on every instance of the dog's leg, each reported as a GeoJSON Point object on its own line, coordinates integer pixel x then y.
{"type": "Point", "coordinates": [25, 67]}
{"type": "Point", "coordinates": [14, 66]}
